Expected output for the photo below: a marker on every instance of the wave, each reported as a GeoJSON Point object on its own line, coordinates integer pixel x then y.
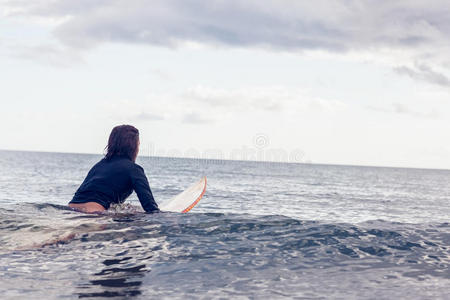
{"type": "Point", "coordinates": [219, 235]}
{"type": "Point", "coordinates": [124, 251]}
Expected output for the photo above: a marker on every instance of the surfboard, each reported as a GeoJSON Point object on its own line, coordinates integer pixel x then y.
{"type": "Point", "coordinates": [187, 199]}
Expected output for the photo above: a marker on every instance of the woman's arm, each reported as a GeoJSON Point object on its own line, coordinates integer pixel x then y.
{"type": "Point", "coordinates": [142, 189]}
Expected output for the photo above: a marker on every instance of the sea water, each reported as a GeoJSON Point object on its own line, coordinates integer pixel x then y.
{"type": "Point", "coordinates": [262, 230]}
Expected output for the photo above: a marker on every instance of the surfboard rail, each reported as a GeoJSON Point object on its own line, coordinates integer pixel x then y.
{"type": "Point", "coordinates": [198, 198]}
{"type": "Point", "coordinates": [186, 200]}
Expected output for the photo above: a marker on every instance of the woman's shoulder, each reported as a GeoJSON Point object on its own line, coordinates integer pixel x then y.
{"type": "Point", "coordinates": [138, 167]}
{"type": "Point", "coordinates": [122, 161]}
{"type": "Point", "coordinates": [131, 165]}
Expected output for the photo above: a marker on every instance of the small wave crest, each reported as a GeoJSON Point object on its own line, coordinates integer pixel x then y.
{"type": "Point", "coordinates": [165, 248]}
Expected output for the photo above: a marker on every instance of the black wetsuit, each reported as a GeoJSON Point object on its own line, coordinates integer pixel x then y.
{"type": "Point", "coordinates": [112, 181]}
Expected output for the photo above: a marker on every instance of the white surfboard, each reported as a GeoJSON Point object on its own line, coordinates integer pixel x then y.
{"type": "Point", "coordinates": [186, 200]}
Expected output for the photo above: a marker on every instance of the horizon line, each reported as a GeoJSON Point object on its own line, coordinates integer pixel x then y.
{"type": "Point", "coordinates": [240, 160]}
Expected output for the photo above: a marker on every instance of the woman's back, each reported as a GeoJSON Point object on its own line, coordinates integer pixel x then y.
{"type": "Point", "coordinates": [115, 177]}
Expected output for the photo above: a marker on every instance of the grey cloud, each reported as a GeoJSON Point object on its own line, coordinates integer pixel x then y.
{"type": "Point", "coordinates": [402, 109]}
{"type": "Point", "coordinates": [161, 74]}
{"type": "Point", "coordinates": [52, 55]}
{"type": "Point", "coordinates": [195, 118]}
{"type": "Point", "coordinates": [278, 24]}
{"type": "Point", "coordinates": [424, 73]}
{"type": "Point", "coordinates": [250, 99]}
{"type": "Point", "coordinates": [148, 117]}
{"type": "Point", "coordinates": [259, 99]}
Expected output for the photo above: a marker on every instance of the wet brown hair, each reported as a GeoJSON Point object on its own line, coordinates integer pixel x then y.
{"type": "Point", "coordinates": [123, 141]}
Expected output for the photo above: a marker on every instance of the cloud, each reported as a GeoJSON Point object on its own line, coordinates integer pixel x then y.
{"type": "Point", "coordinates": [258, 99]}
{"type": "Point", "coordinates": [161, 74]}
{"type": "Point", "coordinates": [195, 118]}
{"type": "Point", "coordinates": [291, 25]}
{"type": "Point", "coordinates": [204, 104]}
{"type": "Point", "coordinates": [250, 98]}
{"type": "Point", "coordinates": [137, 110]}
{"type": "Point", "coordinates": [411, 36]}
{"type": "Point", "coordinates": [143, 116]}
{"type": "Point", "coordinates": [402, 109]}
{"type": "Point", "coordinates": [48, 54]}
{"type": "Point", "coordinates": [424, 73]}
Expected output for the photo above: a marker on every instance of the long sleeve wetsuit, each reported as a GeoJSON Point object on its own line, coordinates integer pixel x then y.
{"type": "Point", "coordinates": [112, 181]}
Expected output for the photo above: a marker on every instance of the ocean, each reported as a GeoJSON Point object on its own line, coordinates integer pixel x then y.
{"type": "Point", "coordinates": [262, 230]}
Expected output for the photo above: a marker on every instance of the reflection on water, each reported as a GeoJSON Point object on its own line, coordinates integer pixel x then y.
{"type": "Point", "coordinates": [115, 280]}
{"type": "Point", "coordinates": [262, 231]}
{"type": "Point", "coordinates": [124, 255]}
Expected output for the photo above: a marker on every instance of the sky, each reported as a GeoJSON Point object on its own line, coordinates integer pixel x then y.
{"type": "Point", "coordinates": [338, 82]}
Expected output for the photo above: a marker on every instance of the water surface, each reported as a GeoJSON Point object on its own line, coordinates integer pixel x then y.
{"type": "Point", "coordinates": [262, 230]}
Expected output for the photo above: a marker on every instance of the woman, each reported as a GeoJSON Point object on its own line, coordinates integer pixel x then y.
{"type": "Point", "coordinates": [115, 177]}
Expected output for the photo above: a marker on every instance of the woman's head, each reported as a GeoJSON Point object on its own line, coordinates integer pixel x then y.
{"type": "Point", "coordinates": [123, 141]}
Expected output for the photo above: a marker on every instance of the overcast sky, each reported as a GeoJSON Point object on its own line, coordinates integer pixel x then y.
{"type": "Point", "coordinates": [344, 82]}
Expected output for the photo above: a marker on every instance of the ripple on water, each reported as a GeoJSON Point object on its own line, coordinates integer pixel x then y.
{"type": "Point", "coordinates": [128, 254]}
